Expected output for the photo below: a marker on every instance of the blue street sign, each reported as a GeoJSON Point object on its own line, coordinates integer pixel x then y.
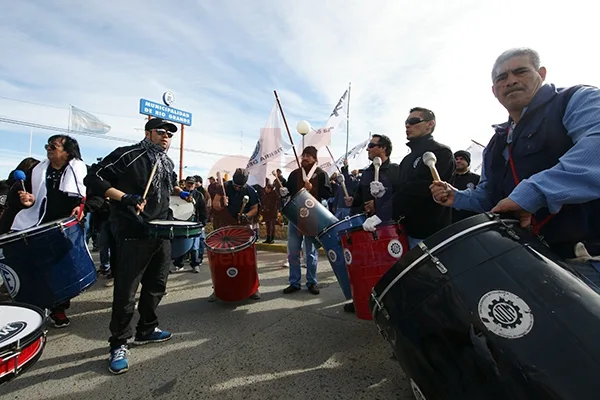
{"type": "Point", "coordinates": [158, 110]}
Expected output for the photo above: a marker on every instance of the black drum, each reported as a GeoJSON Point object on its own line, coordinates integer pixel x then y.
{"type": "Point", "coordinates": [483, 310]}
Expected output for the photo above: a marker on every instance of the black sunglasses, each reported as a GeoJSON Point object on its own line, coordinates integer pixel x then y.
{"type": "Point", "coordinates": [50, 146]}
{"type": "Point", "coordinates": [163, 132]}
{"type": "Point", "coordinates": [414, 121]}
{"type": "Point", "coordinates": [371, 145]}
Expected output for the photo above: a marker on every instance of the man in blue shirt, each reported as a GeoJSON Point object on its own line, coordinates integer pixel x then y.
{"type": "Point", "coordinates": [541, 165]}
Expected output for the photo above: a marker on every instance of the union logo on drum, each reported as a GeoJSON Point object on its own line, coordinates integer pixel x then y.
{"type": "Point", "coordinates": [304, 212]}
{"type": "Point", "coordinates": [232, 272]}
{"type": "Point", "coordinates": [332, 256]}
{"type": "Point", "coordinates": [395, 248]}
{"type": "Point", "coordinates": [505, 314]}
{"type": "Point", "coordinates": [11, 280]}
{"type": "Point", "coordinates": [309, 203]}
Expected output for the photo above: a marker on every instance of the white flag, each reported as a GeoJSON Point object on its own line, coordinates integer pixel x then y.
{"type": "Point", "coordinates": [269, 149]}
{"type": "Point", "coordinates": [321, 137]}
{"type": "Point", "coordinates": [83, 121]}
{"type": "Point", "coordinates": [476, 151]}
{"type": "Point", "coordinates": [358, 158]}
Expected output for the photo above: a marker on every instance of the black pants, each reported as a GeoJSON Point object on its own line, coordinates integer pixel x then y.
{"type": "Point", "coordinates": [144, 261]}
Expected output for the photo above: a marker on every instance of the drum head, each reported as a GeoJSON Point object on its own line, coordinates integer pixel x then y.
{"type": "Point", "coordinates": [172, 223]}
{"type": "Point", "coordinates": [230, 239]}
{"type": "Point", "coordinates": [182, 210]}
{"type": "Point", "coordinates": [18, 323]}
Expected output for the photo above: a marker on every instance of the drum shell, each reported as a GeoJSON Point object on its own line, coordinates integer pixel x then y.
{"type": "Point", "coordinates": [335, 253]}
{"type": "Point", "coordinates": [308, 215]}
{"type": "Point", "coordinates": [234, 272]}
{"type": "Point", "coordinates": [442, 343]}
{"type": "Point", "coordinates": [31, 347]}
{"type": "Point", "coordinates": [368, 256]}
{"type": "Point", "coordinates": [49, 265]}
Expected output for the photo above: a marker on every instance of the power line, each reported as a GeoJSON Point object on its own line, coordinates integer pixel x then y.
{"type": "Point", "coordinates": [105, 137]}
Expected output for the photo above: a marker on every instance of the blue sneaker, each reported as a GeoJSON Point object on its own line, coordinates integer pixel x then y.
{"type": "Point", "coordinates": [118, 360]}
{"type": "Point", "coordinates": [155, 337]}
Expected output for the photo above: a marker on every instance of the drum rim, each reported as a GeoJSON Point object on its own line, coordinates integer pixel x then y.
{"type": "Point", "coordinates": [188, 224]}
{"type": "Point", "coordinates": [231, 249]}
{"type": "Point", "coordinates": [346, 219]}
{"type": "Point", "coordinates": [357, 228]}
{"type": "Point", "coordinates": [35, 334]}
{"type": "Point", "coordinates": [431, 251]}
{"type": "Point", "coordinates": [36, 230]}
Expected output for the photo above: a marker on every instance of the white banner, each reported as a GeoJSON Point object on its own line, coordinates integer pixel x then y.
{"type": "Point", "coordinates": [476, 151]}
{"type": "Point", "coordinates": [83, 121]}
{"type": "Point", "coordinates": [269, 150]}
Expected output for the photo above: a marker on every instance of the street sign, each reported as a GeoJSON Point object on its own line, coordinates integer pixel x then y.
{"type": "Point", "coordinates": [158, 110]}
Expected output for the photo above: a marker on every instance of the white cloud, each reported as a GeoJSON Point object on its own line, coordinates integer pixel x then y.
{"type": "Point", "coordinates": [224, 59]}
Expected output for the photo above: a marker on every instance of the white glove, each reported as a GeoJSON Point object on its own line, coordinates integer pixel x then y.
{"type": "Point", "coordinates": [377, 189]}
{"type": "Point", "coordinates": [283, 192]}
{"type": "Point", "coordinates": [582, 255]}
{"type": "Point", "coordinates": [370, 224]}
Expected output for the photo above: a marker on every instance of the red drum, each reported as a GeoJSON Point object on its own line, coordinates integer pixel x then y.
{"type": "Point", "coordinates": [368, 256]}
{"type": "Point", "coordinates": [22, 338]}
{"type": "Point", "coordinates": [232, 259]}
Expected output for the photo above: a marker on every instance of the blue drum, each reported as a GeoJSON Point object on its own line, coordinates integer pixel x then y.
{"type": "Point", "coordinates": [48, 264]}
{"type": "Point", "coordinates": [308, 215]}
{"type": "Point", "coordinates": [335, 254]}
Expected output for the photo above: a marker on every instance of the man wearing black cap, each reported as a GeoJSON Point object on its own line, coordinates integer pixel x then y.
{"type": "Point", "coordinates": [122, 177]}
{"type": "Point", "coordinates": [320, 187]}
{"type": "Point", "coordinates": [235, 190]}
{"type": "Point", "coordinates": [463, 179]}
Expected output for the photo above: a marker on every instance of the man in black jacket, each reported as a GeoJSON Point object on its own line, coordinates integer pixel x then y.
{"type": "Point", "coordinates": [122, 177]}
{"type": "Point", "coordinates": [463, 179]}
{"type": "Point", "coordinates": [320, 187]}
{"type": "Point", "coordinates": [412, 197]}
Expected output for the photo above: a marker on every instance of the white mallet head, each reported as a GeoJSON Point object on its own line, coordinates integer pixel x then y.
{"type": "Point", "coordinates": [377, 162]}
{"type": "Point", "coordinates": [429, 159]}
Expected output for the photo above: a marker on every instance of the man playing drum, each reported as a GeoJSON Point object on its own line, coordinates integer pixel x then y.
{"type": "Point", "coordinates": [319, 186]}
{"type": "Point", "coordinates": [123, 176]}
{"type": "Point", "coordinates": [541, 165]}
{"type": "Point", "coordinates": [58, 183]}
{"type": "Point", "coordinates": [412, 198]}
{"type": "Point", "coordinates": [238, 192]}
{"type": "Point", "coordinates": [368, 196]}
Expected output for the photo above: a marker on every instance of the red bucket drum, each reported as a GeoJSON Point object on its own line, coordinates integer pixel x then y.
{"type": "Point", "coordinates": [369, 255]}
{"type": "Point", "coordinates": [232, 259]}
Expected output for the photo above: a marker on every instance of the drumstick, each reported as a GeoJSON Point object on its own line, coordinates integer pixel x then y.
{"type": "Point", "coordinates": [220, 178]}
{"type": "Point", "coordinates": [430, 159]}
{"type": "Point", "coordinates": [343, 183]}
{"type": "Point", "coordinates": [149, 183]}
{"type": "Point", "coordinates": [277, 178]}
{"type": "Point", "coordinates": [245, 201]}
{"type": "Point", "coordinates": [376, 165]}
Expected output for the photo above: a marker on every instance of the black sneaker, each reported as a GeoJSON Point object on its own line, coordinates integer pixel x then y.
{"type": "Point", "coordinates": [60, 319]}
{"type": "Point", "coordinates": [313, 289]}
{"type": "Point", "coordinates": [291, 289]}
{"type": "Point", "coordinates": [349, 307]}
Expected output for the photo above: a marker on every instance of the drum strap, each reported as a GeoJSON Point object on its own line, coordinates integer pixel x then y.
{"type": "Point", "coordinates": [537, 226]}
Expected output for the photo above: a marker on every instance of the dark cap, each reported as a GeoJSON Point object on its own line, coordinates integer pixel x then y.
{"type": "Point", "coordinates": [464, 154]}
{"type": "Point", "coordinates": [240, 177]}
{"type": "Point", "coordinates": [310, 151]}
{"type": "Point", "coordinates": [157, 123]}
{"type": "Point", "coordinates": [190, 179]}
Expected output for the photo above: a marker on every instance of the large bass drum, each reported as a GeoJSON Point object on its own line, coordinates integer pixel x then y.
{"type": "Point", "coordinates": [483, 310]}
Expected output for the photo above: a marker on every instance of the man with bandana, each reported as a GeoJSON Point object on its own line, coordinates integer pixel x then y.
{"type": "Point", "coordinates": [122, 177]}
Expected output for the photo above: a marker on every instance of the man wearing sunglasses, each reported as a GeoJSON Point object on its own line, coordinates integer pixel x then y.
{"type": "Point", "coordinates": [122, 177]}
{"type": "Point", "coordinates": [542, 164]}
{"type": "Point", "coordinates": [412, 197]}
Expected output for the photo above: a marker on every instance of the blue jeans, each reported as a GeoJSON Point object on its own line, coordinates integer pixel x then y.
{"type": "Point", "coordinates": [342, 213]}
{"type": "Point", "coordinates": [311, 254]}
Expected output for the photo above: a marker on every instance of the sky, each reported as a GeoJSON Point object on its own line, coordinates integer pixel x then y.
{"type": "Point", "coordinates": [223, 59]}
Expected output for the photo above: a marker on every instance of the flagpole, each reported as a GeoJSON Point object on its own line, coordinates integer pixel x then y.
{"type": "Point", "coordinates": [287, 128]}
{"type": "Point", "coordinates": [69, 122]}
{"type": "Point", "coordinates": [30, 140]}
{"type": "Point", "coordinates": [479, 144]}
{"type": "Point", "coordinates": [348, 118]}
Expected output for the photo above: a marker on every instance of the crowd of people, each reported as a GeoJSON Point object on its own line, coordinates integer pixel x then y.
{"type": "Point", "coordinates": [539, 165]}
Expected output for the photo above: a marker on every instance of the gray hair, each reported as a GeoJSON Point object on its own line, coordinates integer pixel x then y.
{"type": "Point", "coordinates": [533, 55]}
